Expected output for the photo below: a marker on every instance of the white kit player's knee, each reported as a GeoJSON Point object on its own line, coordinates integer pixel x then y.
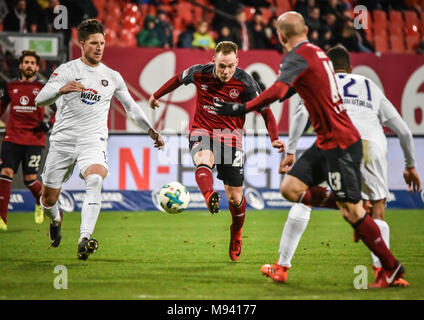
{"type": "Point", "coordinates": [92, 204]}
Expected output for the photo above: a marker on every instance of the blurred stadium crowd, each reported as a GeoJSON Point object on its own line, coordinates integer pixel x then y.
{"type": "Point", "coordinates": [395, 26]}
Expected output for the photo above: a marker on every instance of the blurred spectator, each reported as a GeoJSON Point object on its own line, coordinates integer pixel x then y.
{"type": "Point", "coordinates": [17, 19]}
{"type": "Point", "coordinates": [256, 3]}
{"type": "Point", "coordinates": [224, 34]}
{"type": "Point", "coordinates": [3, 10]}
{"type": "Point", "coordinates": [313, 18]}
{"type": "Point", "coordinates": [256, 27]}
{"type": "Point", "coordinates": [226, 6]}
{"type": "Point", "coordinates": [185, 39]}
{"type": "Point", "coordinates": [165, 29]}
{"type": "Point", "coordinates": [149, 36]}
{"type": "Point", "coordinates": [272, 35]}
{"type": "Point", "coordinates": [201, 38]}
{"type": "Point", "coordinates": [240, 32]}
{"type": "Point", "coordinates": [325, 40]}
{"type": "Point", "coordinates": [313, 36]}
{"type": "Point", "coordinates": [302, 6]}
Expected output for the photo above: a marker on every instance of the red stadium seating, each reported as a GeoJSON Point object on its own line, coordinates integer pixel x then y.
{"type": "Point", "coordinates": [379, 19]}
{"type": "Point", "coordinates": [127, 38]}
{"type": "Point", "coordinates": [396, 19]}
{"type": "Point", "coordinates": [412, 43]}
{"type": "Point", "coordinates": [282, 6]}
{"type": "Point", "coordinates": [411, 19]}
{"type": "Point", "coordinates": [111, 37]}
{"type": "Point", "coordinates": [380, 44]}
{"type": "Point", "coordinates": [397, 44]}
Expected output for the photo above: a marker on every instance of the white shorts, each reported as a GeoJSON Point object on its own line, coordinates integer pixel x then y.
{"type": "Point", "coordinates": [374, 172]}
{"type": "Point", "coordinates": [63, 156]}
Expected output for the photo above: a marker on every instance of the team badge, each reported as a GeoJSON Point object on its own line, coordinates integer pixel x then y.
{"type": "Point", "coordinates": [105, 83]}
{"type": "Point", "coordinates": [35, 91]}
{"type": "Point", "coordinates": [24, 100]}
{"type": "Point", "coordinates": [234, 93]}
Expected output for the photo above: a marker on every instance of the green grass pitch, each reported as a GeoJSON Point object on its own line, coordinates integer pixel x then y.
{"type": "Point", "coordinates": [154, 255]}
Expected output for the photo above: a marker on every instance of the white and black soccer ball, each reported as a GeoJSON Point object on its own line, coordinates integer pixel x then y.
{"type": "Point", "coordinates": [174, 197]}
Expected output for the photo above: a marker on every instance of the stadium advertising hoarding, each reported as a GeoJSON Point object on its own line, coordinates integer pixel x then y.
{"type": "Point", "coordinates": [401, 77]}
{"type": "Point", "coordinates": [138, 170]}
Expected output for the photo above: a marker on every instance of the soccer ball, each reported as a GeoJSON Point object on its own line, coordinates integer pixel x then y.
{"type": "Point", "coordinates": [174, 197]}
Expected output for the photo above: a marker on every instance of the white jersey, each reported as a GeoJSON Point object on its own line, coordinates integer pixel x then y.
{"type": "Point", "coordinates": [83, 115]}
{"type": "Point", "coordinates": [367, 106]}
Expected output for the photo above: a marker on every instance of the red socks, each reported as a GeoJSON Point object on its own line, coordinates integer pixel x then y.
{"type": "Point", "coordinates": [319, 197]}
{"type": "Point", "coordinates": [370, 234]}
{"type": "Point", "coordinates": [5, 186]}
{"type": "Point", "coordinates": [238, 214]}
{"type": "Point", "coordinates": [204, 179]}
{"type": "Point", "coordinates": [35, 187]}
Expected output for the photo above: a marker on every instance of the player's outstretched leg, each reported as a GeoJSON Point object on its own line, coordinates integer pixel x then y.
{"type": "Point", "coordinates": [35, 187]}
{"type": "Point", "coordinates": [238, 214]}
{"type": "Point", "coordinates": [56, 217]}
{"type": "Point", "coordinates": [89, 214]}
{"type": "Point", "coordinates": [86, 247]}
{"type": "Point", "coordinates": [5, 189]}
{"type": "Point", "coordinates": [204, 180]}
{"type": "Point", "coordinates": [297, 221]}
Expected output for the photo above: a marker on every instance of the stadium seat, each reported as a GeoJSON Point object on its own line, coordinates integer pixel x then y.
{"type": "Point", "coordinates": [184, 11]}
{"type": "Point", "coordinates": [397, 44]}
{"type": "Point", "coordinates": [132, 10]}
{"type": "Point", "coordinates": [249, 11]}
{"type": "Point", "coordinates": [111, 37]}
{"type": "Point", "coordinates": [395, 30]}
{"type": "Point", "coordinates": [267, 14]}
{"type": "Point", "coordinates": [380, 44]}
{"type": "Point", "coordinates": [131, 24]}
{"type": "Point", "coordinates": [396, 19]}
{"type": "Point", "coordinates": [282, 6]}
{"type": "Point", "coordinates": [127, 38]}
{"type": "Point", "coordinates": [114, 12]}
{"type": "Point", "coordinates": [412, 43]}
{"type": "Point", "coordinates": [379, 19]}
{"type": "Point", "coordinates": [411, 19]}
{"type": "Point", "coordinates": [380, 32]}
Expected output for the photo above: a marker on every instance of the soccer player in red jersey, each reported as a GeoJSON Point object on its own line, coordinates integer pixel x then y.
{"type": "Point", "coordinates": [336, 155]}
{"type": "Point", "coordinates": [216, 140]}
{"type": "Point", "coordinates": [25, 135]}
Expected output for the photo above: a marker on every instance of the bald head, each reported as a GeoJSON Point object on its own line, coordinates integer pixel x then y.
{"type": "Point", "coordinates": [291, 24]}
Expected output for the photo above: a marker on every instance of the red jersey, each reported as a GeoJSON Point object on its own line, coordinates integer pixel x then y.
{"type": "Point", "coordinates": [310, 72]}
{"type": "Point", "coordinates": [24, 116]}
{"type": "Point", "coordinates": [211, 91]}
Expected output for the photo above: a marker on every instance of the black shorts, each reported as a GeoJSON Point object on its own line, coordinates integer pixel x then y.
{"type": "Point", "coordinates": [340, 168]}
{"type": "Point", "coordinates": [13, 154]}
{"type": "Point", "coordinates": [229, 161]}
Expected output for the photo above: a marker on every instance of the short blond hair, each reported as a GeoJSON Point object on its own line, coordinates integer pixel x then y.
{"type": "Point", "coordinates": [226, 47]}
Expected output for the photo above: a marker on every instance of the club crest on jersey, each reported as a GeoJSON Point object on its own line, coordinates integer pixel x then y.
{"type": "Point", "coordinates": [105, 83]}
{"type": "Point", "coordinates": [234, 93]}
{"type": "Point", "coordinates": [24, 100]}
{"type": "Point", "coordinates": [35, 91]}
{"type": "Point", "coordinates": [90, 96]}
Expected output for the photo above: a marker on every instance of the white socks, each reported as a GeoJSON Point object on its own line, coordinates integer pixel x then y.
{"type": "Point", "coordinates": [385, 233]}
{"type": "Point", "coordinates": [92, 205]}
{"type": "Point", "coordinates": [52, 212]}
{"type": "Point", "coordinates": [294, 227]}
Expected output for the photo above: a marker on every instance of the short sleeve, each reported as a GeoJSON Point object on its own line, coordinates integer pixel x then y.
{"type": "Point", "coordinates": [291, 67]}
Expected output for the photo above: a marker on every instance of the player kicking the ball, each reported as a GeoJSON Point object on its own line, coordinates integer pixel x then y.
{"type": "Point", "coordinates": [216, 140]}
{"type": "Point", "coordinates": [337, 153]}
{"type": "Point", "coordinates": [82, 90]}
{"type": "Point", "coordinates": [368, 109]}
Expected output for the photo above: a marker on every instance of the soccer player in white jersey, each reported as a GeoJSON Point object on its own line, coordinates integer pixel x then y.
{"type": "Point", "coordinates": [369, 110]}
{"type": "Point", "coordinates": [82, 90]}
